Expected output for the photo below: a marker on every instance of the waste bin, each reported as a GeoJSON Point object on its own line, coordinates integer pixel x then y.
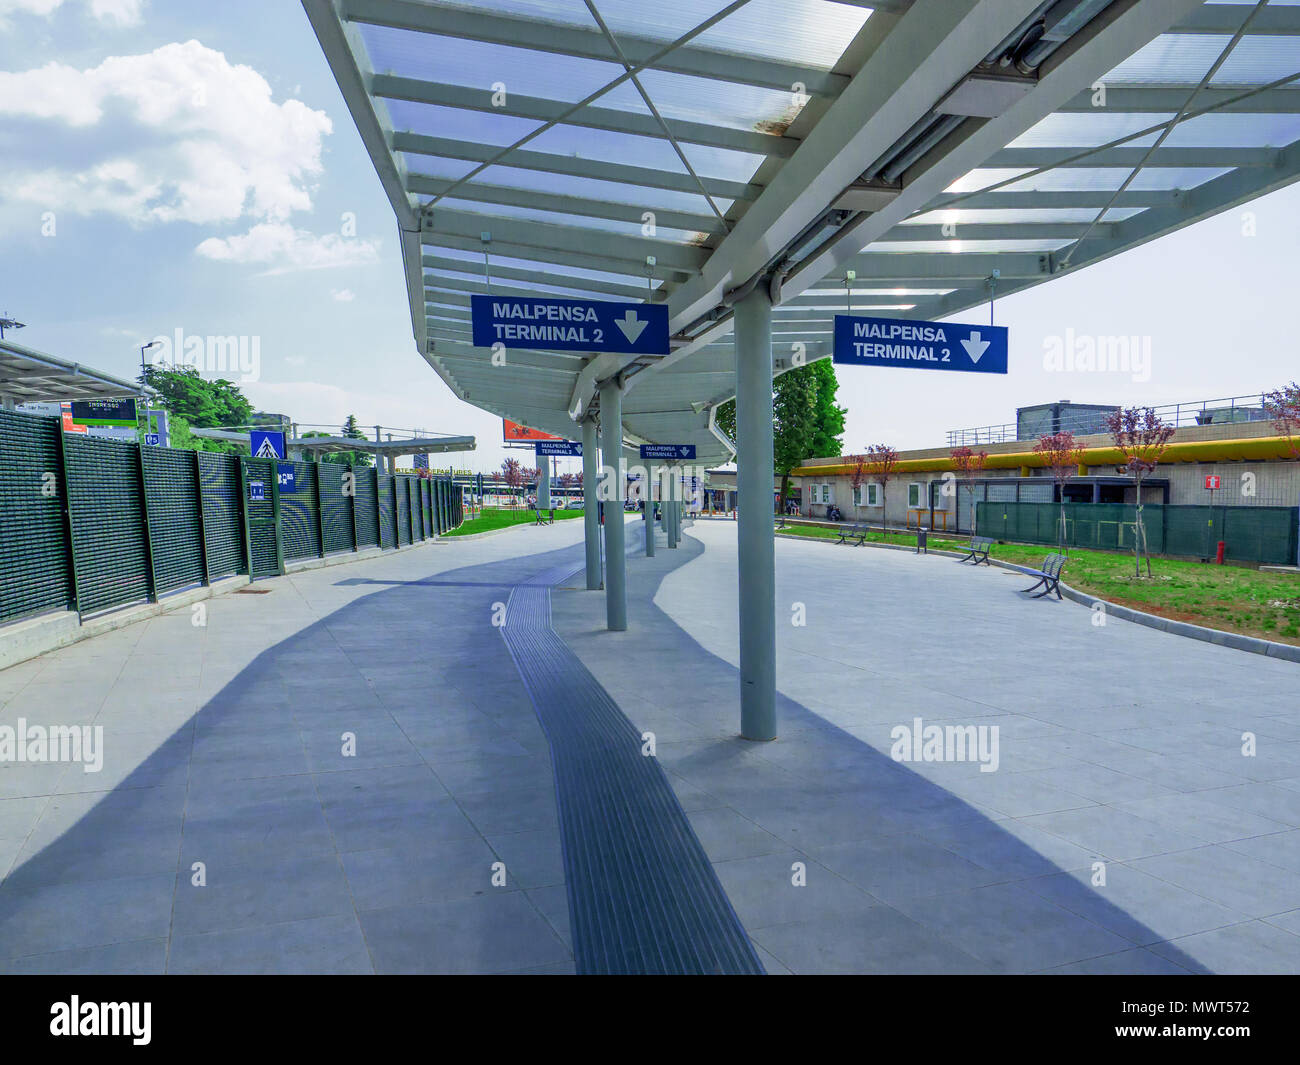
{"type": "Point", "coordinates": [921, 535]}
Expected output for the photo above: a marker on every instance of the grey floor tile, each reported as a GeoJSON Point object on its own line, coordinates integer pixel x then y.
{"type": "Point", "coordinates": [498, 932]}
{"type": "Point", "coordinates": [319, 946]}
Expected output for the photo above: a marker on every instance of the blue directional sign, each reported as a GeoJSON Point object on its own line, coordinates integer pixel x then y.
{"type": "Point", "coordinates": [558, 448]}
{"type": "Point", "coordinates": [264, 444]}
{"type": "Point", "coordinates": [287, 477]}
{"type": "Point", "coordinates": [421, 461]}
{"type": "Point", "coordinates": [919, 345]}
{"type": "Point", "coordinates": [570, 325]}
{"type": "Point", "coordinates": [257, 491]}
{"type": "Point", "coordinates": [152, 439]}
{"type": "Point", "coordinates": [668, 451]}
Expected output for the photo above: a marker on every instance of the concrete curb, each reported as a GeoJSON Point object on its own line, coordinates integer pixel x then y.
{"type": "Point", "coordinates": [1253, 644]}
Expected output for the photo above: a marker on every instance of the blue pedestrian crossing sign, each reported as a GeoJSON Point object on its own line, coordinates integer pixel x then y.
{"type": "Point", "coordinates": [558, 448]}
{"type": "Point", "coordinates": [570, 325]}
{"type": "Point", "coordinates": [287, 477]}
{"type": "Point", "coordinates": [919, 345]}
{"type": "Point", "coordinates": [668, 451]}
{"type": "Point", "coordinates": [264, 444]}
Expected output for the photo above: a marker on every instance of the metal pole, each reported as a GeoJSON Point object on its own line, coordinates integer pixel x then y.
{"type": "Point", "coordinates": [544, 484]}
{"type": "Point", "coordinates": [649, 509]}
{"type": "Point", "coordinates": [611, 454]}
{"type": "Point", "coordinates": [756, 539]}
{"type": "Point", "coordinates": [590, 516]}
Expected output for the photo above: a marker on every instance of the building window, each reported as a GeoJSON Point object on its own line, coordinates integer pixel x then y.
{"type": "Point", "coordinates": [873, 494]}
{"type": "Point", "coordinates": [914, 495]}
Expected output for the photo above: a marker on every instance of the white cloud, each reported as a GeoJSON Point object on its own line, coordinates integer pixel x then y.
{"type": "Point", "coordinates": [343, 295]}
{"type": "Point", "coordinates": [120, 12]}
{"type": "Point", "coordinates": [283, 248]}
{"type": "Point", "coordinates": [123, 12]}
{"type": "Point", "coordinates": [178, 134]}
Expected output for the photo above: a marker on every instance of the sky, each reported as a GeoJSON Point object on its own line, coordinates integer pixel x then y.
{"type": "Point", "coordinates": [188, 169]}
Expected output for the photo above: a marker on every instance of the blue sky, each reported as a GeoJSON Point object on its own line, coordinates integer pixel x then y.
{"type": "Point", "coordinates": [201, 173]}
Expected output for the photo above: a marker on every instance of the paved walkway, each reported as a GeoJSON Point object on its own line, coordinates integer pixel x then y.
{"type": "Point", "coordinates": [1119, 745]}
{"type": "Point", "coordinates": [225, 746]}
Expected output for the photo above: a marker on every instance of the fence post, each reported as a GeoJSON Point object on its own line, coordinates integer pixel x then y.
{"type": "Point", "coordinates": [320, 508]}
{"type": "Point", "coordinates": [379, 511]}
{"type": "Point", "coordinates": [243, 514]}
{"type": "Point", "coordinates": [352, 506]}
{"type": "Point", "coordinates": [66, 487]}
{"type": "Point", "coordinates": [275, 512]}
{"type": "Point", "coordinates": [203, 531]}
{"type": "Point", "coordinates": [148, 532]}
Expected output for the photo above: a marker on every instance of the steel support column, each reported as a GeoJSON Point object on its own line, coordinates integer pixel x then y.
{"type": "Point", "coordinates": [590, 516]}
{"type": "Point", "coordinates": [649, 509]}
{"type": "Point", "coordinates": [756, 534]}
{"type": "Point", "coordinates": [543, 483]}
{"type": "Point", "coordinates": [614, 491]}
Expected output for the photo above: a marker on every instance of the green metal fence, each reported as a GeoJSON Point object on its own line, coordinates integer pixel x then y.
{"type": "Point", "coordinates": [93, 525]}
{"type": "Point", "coordinates": [1250, 534]}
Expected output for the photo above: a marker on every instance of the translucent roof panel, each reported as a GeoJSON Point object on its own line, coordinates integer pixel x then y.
{"type": "Point", "coordinates": [498, 129]}
{"type": "Point", "coordinates": [1185, 58]}
{"type": "Point", "coordinates": [717, 103]}
{"type": "Point", "coordinates": [480, 65]}
{"type": "Point", "coordinates": [810, 32]}
{"type": "Point", "coordinates": [959, 246]}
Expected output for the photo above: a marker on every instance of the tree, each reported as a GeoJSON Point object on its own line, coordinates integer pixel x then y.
{"type": "Point", "coordinates": [859, 474]}
{"type": "Point", "coordinates": [512, 472]}
{"type": "Point", "coordinates": [202, 403]}
{"type": "Point", "coordinates": [351, 458]}
{"type": "Point", "coordinates": [969, 465]}
{"type": "Point", "coordinates": [1062, 454]}
{"type": "Point", "coordinates": [794, 412]}
{"type": "Point", "coordinates": [882, 462]}
{"type": "Point", "coordinates": [806, 423]}
{"type": "Point", "coordinates": [1283, 406]}
{"type": "Point", "coordinates": [1141, 437]}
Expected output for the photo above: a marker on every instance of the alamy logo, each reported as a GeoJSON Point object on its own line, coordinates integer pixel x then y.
{"type": "Point", "coordinates": [946, 743]}
{"type": "Point", "coordinates": [55, 743]}
{"type": "Point", "coordinates": [225, 355]}
{"type": "Point", "coordinates": [102, 1018]}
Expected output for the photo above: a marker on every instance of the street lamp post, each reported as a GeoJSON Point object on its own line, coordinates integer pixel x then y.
{"type": "Point", "coordinates": [146, 347]}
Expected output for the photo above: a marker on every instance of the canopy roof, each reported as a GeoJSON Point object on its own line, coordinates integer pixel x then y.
{"type": "Point", "coordinates": [30, 376]}
{"type": "Point", "coordinates": [682, 151]}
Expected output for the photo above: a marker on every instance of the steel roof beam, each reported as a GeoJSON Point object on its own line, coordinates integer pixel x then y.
{"type": "Point", "coordinates": [590, 117]}
{"type": "Point", "coordinates": [1014, 199]}
{"type": "Point", "coordinates": [570, 165]}
{"type": "Point", "coordinates": [540, 238]}
{"type": "Point", "coordinates": [1014, 158]}
{"type": "Point", "coordinates": [581, 206]}
{"type": "Point", "coordinates": [520, 32]}
{"type": "Point", "coordinates": [545, 258]}
{"type": "Point", "coordinates": [540, 277]}
{"type": "Point", "coordinates": [1206, 200]}
{"type": "Point", "coordinates": [1167, 99]}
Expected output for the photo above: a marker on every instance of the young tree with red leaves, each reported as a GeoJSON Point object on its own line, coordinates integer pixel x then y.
{"type": "Point", "coordinates": [512, 472]}
{"type": "Point", "coordinates": [881, 463]}
{"type": "Point", "coordinates": [859, 474]}
{"type": "Point", "coordinates": [1062, 454]}
{"type": "Point", "coordinates": [969, 465]}
{"type": "Point", "coordinates": [1141, 437]}
{"type": "Point", "coordinates": [1283, 406]}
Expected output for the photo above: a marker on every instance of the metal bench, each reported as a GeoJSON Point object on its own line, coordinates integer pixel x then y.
{"type": "Point", "coordinates": [978, 550]}
{"type": "Point", "coordinates": [1049, 577]}
{"type": "Point", "coordinates": [845, 531]}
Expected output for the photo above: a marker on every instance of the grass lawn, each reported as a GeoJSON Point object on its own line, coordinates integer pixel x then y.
{"type": "Point", "coordinates": [500, 518]}
{"type": "Point", "coordinates": [1231, 598]}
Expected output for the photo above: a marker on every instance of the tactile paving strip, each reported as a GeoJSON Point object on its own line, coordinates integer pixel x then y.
{"type": "Point", "coordinates": [643, 897]}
